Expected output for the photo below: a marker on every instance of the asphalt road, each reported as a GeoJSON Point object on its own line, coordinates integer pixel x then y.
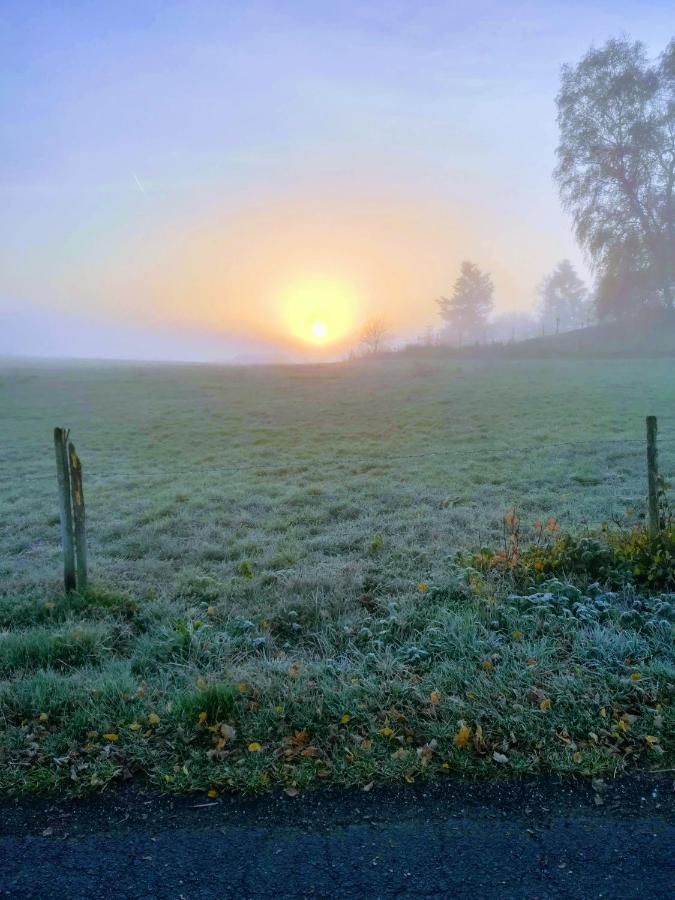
{"type": "Point", "coordinates": [526, 839]}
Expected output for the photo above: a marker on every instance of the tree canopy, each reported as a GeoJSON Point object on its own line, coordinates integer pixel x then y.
{"type": "Point", "coordinates": [616, 171]}
{"type": "Point", "coordinates": [472, 300]}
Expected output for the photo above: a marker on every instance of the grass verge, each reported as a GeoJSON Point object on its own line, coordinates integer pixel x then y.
{"type": "Point", "coordinates": [557, 658]}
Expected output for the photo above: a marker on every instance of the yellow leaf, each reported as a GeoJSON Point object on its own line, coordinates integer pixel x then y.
{"type": "Point", "coordinates": [532, 662]}
{"type": "Point", "coordinates": [409, 778]}
{"type": "Point", "coordinates": [111, 736]}
{"type": "Point", "coordinates": [445, 765]}
{"type": "Point", "coordinates": [134, 726]}
{"type": "Point", "coordinates": [153, 719]}
{"type": "Point", "coordinates": [202, 718]}
{"type": "Point", "coordinates": [470, 695]}
{"type": "Point", "coordinates": [651, 740]}
{"type": "Point", "coordinates": [212, 793]}
{"type": "Point", "coordinates": [517, 635]}
{"type": "Point", "coordinates": [435, 696]}
{"type": "Point", "coordinates": [254, 747]}
{"type": "Point", "coordinates": [386, 732]}
{"type": "Point", "coordinates": [545, 704]}
{"type": "Point", "coordinates": [463, 736]}
{"type": "Point", "coordinates": [635, 676]}
{"type": "Point", "coordinates": [278, 709]}
{"type": "Point", "coordinates": [603, 713]}
{"type": "Point", "coordinates": [345, 718]}
{"type": "Point", "coordinates": [43, 717]}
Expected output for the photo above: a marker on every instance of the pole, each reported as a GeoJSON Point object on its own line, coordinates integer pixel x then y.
{"type": "Point", "coordinates": [652, 476]}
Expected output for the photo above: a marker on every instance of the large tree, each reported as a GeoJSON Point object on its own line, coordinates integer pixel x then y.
{"type": "Point", "coordinates": [564, 299]}
{"type": "Point", "coordinates": [616, 171]}
{"type": "Point", "coordinates": [472, 299]}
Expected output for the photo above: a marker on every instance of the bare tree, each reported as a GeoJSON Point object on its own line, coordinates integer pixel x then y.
{"type": "Point", "coordinates": [373, 337]}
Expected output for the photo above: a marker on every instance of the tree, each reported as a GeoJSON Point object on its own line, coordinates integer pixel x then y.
{"type": "Point", "coordinates": [564, 299]}
{"type": "Point", "coordinates": [471, 303]}
{"type": "Point", "coordinates": [373, 336]}
{"type": "Point", "coordinates": [616, 171]}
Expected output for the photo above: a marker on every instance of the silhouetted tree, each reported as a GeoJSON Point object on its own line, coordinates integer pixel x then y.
{"type": "Point", "coordinates": [616, 171]}
{"type": "Point", "coordinates": [564, 299]}
{"type": "Point", "coordinates": [467, 310]}
{"type": "Point", "coordinates": [373, 337]}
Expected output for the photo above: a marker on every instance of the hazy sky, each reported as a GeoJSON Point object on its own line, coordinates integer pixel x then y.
{"type": "Point", "coordinates": [194, 168]}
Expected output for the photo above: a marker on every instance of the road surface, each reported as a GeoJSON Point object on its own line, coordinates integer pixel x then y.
{"type": "Point", "coordinates": [526, 839]}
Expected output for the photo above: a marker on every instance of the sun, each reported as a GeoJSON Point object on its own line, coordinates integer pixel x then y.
{"type": "Point", "coordinates": [319, 311]}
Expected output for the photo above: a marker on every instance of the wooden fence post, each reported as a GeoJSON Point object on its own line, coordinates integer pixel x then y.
{"type": "Point", "coordinates": [79, 528]}
{"type": "Point", "coordinates": [65, 508]}
{"type": "Point", "coordinates": [652, 476]}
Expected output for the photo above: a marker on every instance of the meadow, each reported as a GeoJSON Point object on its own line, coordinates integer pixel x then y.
{"type": "Point", "coordinates": [276, 598]}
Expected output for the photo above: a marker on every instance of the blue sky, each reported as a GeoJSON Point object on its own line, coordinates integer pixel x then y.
{"type": "Point", "coordinates": [140, 141]}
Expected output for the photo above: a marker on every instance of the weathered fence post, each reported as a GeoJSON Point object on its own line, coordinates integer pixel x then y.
{"type": "Point", "coordinates": [71, 512]}
{"type": "Point", "coordinates": [79, 527]}
{"type": "Point", "coordinates": [652, 476]}
{"type": "Point", "coordinates": [65, 508]}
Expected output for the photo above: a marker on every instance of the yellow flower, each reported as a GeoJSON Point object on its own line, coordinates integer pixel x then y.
{"type": "Point", "coordinates": [422, 586]}
{"type": "Point", "coordinates": [635, 676]}
{"type": "Point", "coordinates": [212, 793]}
{"type": "Point", "coordinates": [202, 718]}
{"type": "Point", "coordinates": [43, 717]}
{"type": "Point", "coordinates": [211, 611]}
{"type": "Point", "coordinates": [49, 605]}
{"type": "Point", "coordinates": [153, 719]}
{"type": "Point", "coordinates": [254, 747]}
{"type": "Point", "coordinates": [545, 704]}
{"type": "Point", "coordinates": [345, 718]}
{"type": "Point", "coordinates": [386, 732]}
{"type": "Point", "coordinates": [487, 665]}
{"type": "Point", "coordinates": [517, 635]}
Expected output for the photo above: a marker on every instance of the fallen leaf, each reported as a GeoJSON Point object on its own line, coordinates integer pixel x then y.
{"type": "Point", "coordinates": [212, 793]}
{"type": "Point", "coordinates": [463, 736]}
{"type": "Point", "coordinates": [153, 719]}
{"type": "Point", "coordinates": [500, 758]}
{"type": "Point", "coordinates": [434, 697]}
{"type": "Point", "coordinates": [111, 736]}
{"type": "Point", "coordinates": [345, 718]}
{"type": "Point", "coordinates": [254, 747]}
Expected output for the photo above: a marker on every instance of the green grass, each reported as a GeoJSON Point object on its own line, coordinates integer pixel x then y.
{"type": "Point", "coordinates": [257, 539]}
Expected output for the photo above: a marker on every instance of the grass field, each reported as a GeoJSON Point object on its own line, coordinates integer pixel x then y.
{"type": "Point", "coordinates": [274, 598]}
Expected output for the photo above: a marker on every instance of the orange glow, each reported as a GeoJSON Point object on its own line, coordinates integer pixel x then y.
{"type": "Point", "coordinates": [319, 311]}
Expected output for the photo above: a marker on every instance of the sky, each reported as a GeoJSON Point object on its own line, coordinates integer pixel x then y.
{"type": "Point", "coordinates": [256, 180]}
